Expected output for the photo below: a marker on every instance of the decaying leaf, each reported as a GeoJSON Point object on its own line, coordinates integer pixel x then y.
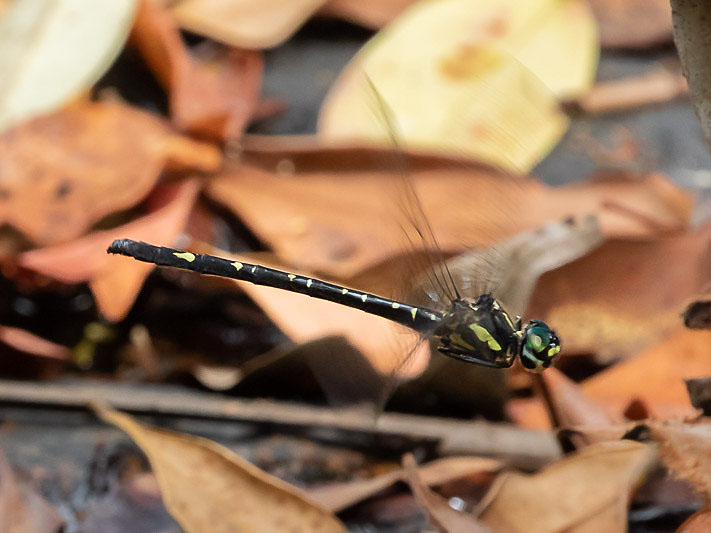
{"type": "Point", "coordinates": [50, 56]}
{"type": "Point", "coordinates": [699, 522]}
{"type": "Point", "coordinates": [691, 39]}
{"type": "Point", "coordinates": [116, 281]}
{"type": "Point", "coordinates": [207, 487]}
{"type": "Point", "coordinates": [656, 376]}
{"type": "Point", "coordinates": [625, 295]}
{"type": "Point", "coordinates": [244, 23]}
{"type": "Point", "coordinates": [438, 511]}
{"type": "Point", "coordinates": [338, 496]}
{"type": "Point", "coordinates": [372, 14]}
{"type": "Point", "coordinates": [685, 448]}
{"type": "Point", "coordinates": [213, 97]}
{"type": "Point", "coordinates": [330, 211]}
{"type": "Point", "coordinates": [22, 510]}
{"type": "Point", "coordinates": [588, 491]}
{"type": "Point", "coordinates": [633, 23]}
{"type": "Point", "coordinates": [61, 173]}
{"type": "Point", "coordinates": [480, 78]}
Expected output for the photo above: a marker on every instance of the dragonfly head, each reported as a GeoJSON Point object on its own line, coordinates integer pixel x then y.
{"type": "Point", "coordinates": [539, 346]}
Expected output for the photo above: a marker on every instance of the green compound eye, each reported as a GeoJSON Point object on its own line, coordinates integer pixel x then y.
{"type": "Point", "coordinates": [540, 346]}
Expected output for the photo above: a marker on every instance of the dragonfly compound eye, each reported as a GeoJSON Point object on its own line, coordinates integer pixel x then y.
{"type": "Point", "coordinates": [539, 347]}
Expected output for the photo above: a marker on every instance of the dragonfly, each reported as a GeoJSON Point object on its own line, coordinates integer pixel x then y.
{"type": "Point", "coordinates": [474, 328]}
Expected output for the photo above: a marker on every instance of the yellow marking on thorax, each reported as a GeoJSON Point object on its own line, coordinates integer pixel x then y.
{"type": "Point", "coordinates": [508, 319]}
{"type": "Point", "coordinates": [484, 336]}
{"type": "Point", "coordinates": [291, 277]}
{"type": "Point", "coordinates": [456, 337]}
{"type": "Point", "coordinates": [553, 351]}
{"type": "Point", "coordinates": [238, 266]}
{"type": "Point", "coordinates": [187, 256]}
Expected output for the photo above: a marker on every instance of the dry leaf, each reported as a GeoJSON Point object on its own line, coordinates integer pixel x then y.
{"type": "Point", "coordinates": [215, 97]}
{"type": "Point", "coordinates": [685, 447]}
{"type": "Point", "coordinates": [25, 341]}
{"type": "Point", "coordinates": [470, 77]}
{"type": "Point", "coordinates": [372, 14]}
{"type": "Point", "coordinates": [656, 376]}
{"type": "Point", "coordinates": [691, 38]}
{"type": "Point", "coordinates": [633, 23]}
{"type": "Point", "coordinates": [339, 496]}
{"type": "Point", "coordinates": [207, 487]}
{"type": "Point", "coordinates": [244, 23]}
{"type": "Point", "coordinates": [625, 295]}
{"type": "Point", "coordinates": [330, 211]}
{"type": "Point", "coordinates": [588, 491]}
{"type": "Point", "coordinates": [50, 56]}
{"type": "Point", "coordinates": [22, 510]}
{"type": "Point", "coordinates": [699, 522]}
{"type": "Point", "coordinates": [61, 173]}
{"type": "Point", "coordinates": [116, 281]}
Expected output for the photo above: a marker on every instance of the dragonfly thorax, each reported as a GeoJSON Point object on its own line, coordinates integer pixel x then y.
{"type": "Point", "coordinates": [483, 332]}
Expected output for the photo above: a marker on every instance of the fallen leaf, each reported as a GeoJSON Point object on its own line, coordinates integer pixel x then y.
{"type": "Point", "coordinates": [690, 36]}
{"type": "Point", "coordinates": [588, 491]}
{"type": "Point", "coordinates": [339, 227]}
{"type": "Point", "coordinates": [437, 509]}
{"type": "Point", "coordinates": [479, 78]}
{"type": "Point", "coordinates": [625, 295]}
{"type": "Point", "coordinates": [49, 57]}
{"type": "Point", "coordinates": [699, 522]}
{"type": "Point", "coordinates": [56, 180]}
{"type": "Point", "coordinates": [116, 281]}
{"type": "Point", "coordinates": [656, 376]}
{"type": "Point", "coordinates": [213, 97]}
{"type": "Point", "coordinates": [207, 487]}
{"type": "Point", "coordinates": [372, 14]}
{"type": "Point", "coordinates": [22, 509]}
{"type": "Point", "coordinates": [684, 448]}
{"type": "Point", "coordinates": [339, 496]}
{"type": "Point", "coordinates": [244, 23]}
{"type": "Point", "coordinates": [633, 23]}
{"type": "Point", "coordinates": [25, 341]}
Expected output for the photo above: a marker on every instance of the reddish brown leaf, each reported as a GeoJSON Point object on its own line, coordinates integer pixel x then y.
{"type": "Point", "coordinates": [625, 295]}
{"type": "Point", "coordinates": [61, 173]}
{"type": "Point", "coordinates": [28, 342]}
{"type": "Point", "coordinates": [438, 511]}
{"type": "Point", "coordinates": [115, 281]}
{"type": "Point", "coordinates": [633, 23]}
{"type": "Point", "coordinates": [329, 208]}
{"type": "Point", "coordinates": [22, 510]}
{"type": "Point", "coordinates": [213, 98]}
{"type": "Point", "coordinates": [699, 522]}
{"type": "Point", "coordinates": [656, 376]}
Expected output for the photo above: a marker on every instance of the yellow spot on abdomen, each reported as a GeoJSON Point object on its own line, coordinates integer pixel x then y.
{"type": "Point", "coordinates": [309, 282]}
{"type": "Point", "coordinates": [238, 266]}
{"type": "Point", "coordinates": [484, 336]}
{"type": "Point", "coordinates": [187, 256]}
{"type": "Point", "coordinates": [413, 312]}
{"type": "Point", "coordinates": [364, 297]}
{"type": "Point", "coordinates": [395, 305]}
{"type": "Point", "coordinates": [291, 277]}
{"type": "Point", "coordinates": [344, 291]}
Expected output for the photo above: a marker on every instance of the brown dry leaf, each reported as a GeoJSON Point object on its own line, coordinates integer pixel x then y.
{"type": "Point", "coordinates": [338, 496]}
{"type": "Point", "coordinates": [656, 376]}
{"type": "Point", "coordinates": [699, 522]}
{"type": "Point", "coordinates": [372, 14]}
{"type": "Point", "coordinates": [685, 447]}
{"type": "Point", "coordinates": [690, 19]}
{"type": "Point", "coordinates": [588, 491]}
{"type": "Point", "coordinates": [213, 98]}
{"type": "Point", "coordinates": [207, 487]}
{"type": "Point", "coordinates": [438, 511]}
{"type": "Point", "coordinates": [244, 23]}
{"type": "Point", "coordinates": [116, 281]}
{"type": "Point", "coordinates": [625, 295]}
{"type": "Point", "coordinates": [61, 173]}
{"type": "Point", "coordinates": [22, 510]}
{"type": "Point", "coordinates": [633, 23]}
{"type": "Point", "coordinates": [330, 212]}
{"type": "Point", "coordinates": [28, 342]}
